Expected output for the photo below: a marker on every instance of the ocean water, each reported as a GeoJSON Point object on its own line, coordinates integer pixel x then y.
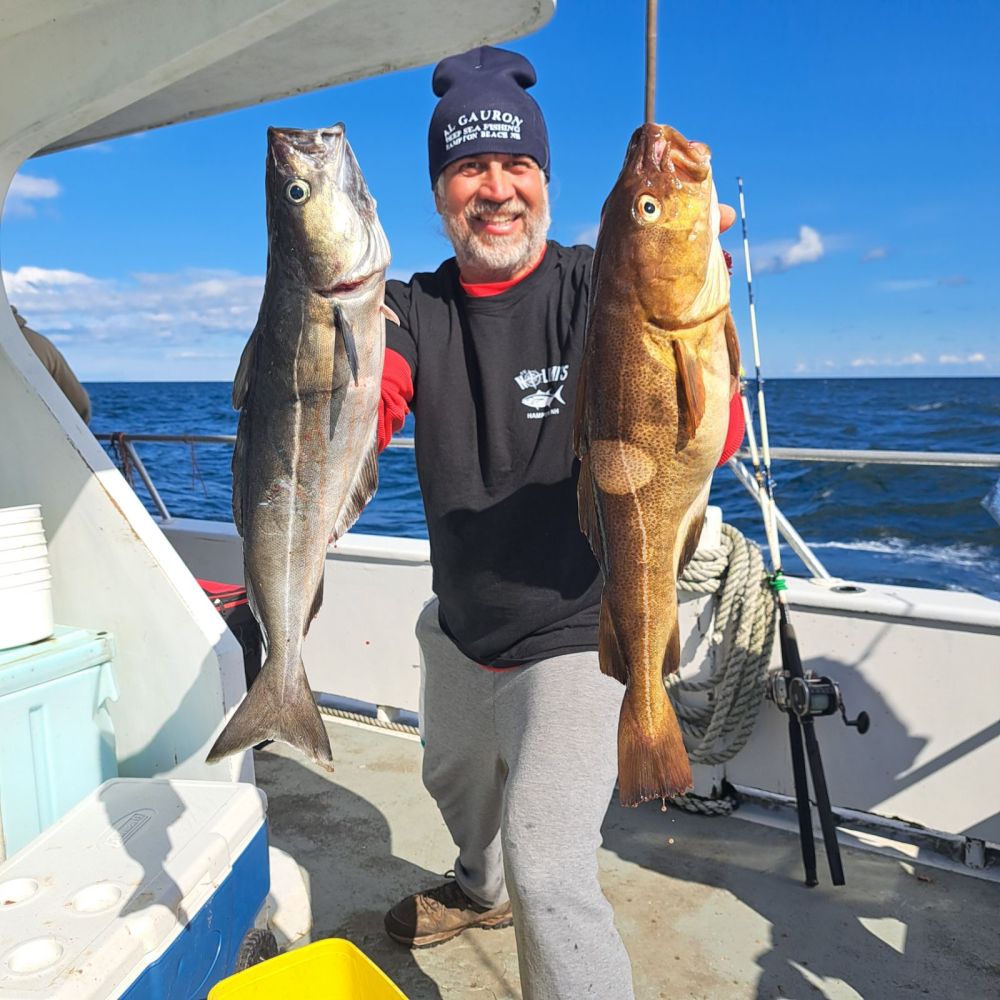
{"type": "Point", "coordinates": [917, 526]}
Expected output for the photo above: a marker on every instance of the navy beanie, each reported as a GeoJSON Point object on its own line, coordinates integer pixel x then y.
{"type": "Point", "coordinates": [485, 108]}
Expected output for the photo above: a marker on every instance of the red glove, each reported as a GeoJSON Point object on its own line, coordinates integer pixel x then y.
{"type": "Point", "coordinates": [397, 393]}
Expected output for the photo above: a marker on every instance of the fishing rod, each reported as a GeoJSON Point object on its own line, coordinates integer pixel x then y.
{"type": "Point", "coordinates": [650, 61]}
{"type": "Point", "coordinates": [800, 694]}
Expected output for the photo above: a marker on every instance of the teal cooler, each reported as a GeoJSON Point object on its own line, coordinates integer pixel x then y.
{"type": "Point", "coordinates": [57, 743]}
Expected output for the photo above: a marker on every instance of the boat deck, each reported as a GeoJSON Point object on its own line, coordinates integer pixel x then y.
{"type": "Point", "coordinates": [708, 907]}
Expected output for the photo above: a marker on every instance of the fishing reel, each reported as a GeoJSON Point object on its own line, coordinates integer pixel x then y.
{"type": "Point", "coordinates": [810, 696]}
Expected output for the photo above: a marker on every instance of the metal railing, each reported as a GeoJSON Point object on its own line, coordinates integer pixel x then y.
{"type": "Point", "coordinates": [127, 443]}
{"type": "Point", "coordinates": [743, 474]}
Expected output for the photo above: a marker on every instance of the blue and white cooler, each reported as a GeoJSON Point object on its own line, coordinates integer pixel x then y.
{"type": "Point", "coordinates": [145, 889]}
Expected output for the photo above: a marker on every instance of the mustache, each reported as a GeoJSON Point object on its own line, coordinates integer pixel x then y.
{"type": "Point", "coordinates": [482, 208]}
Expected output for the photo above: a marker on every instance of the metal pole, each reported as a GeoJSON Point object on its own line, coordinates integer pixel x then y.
{"type": "Point", "coordinates": [788, 532]}
{"type": "Point", "coordinates": [153, 492]}
{"type": "Point", "coordinates": [799, 729]}
{"type": "Point", "coordinates": [650, 61]}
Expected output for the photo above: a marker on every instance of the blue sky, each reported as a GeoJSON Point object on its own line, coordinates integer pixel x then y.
{"type": "Point", "coordinates": [866, 132]}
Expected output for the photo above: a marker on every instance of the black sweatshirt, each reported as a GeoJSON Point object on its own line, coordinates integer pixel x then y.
{"type": "Point", "coordinates": [494, 383]}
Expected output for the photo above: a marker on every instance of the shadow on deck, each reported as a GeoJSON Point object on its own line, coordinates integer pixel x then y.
{"type": "Point", "coordinates": [708, 907]}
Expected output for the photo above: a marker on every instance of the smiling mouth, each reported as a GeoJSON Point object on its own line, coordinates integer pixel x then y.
{"type": "Point", "coordinates": [500, 222]}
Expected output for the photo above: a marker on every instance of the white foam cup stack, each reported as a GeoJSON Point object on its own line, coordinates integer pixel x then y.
{"type": "Point", "coordinates": [25, 577]}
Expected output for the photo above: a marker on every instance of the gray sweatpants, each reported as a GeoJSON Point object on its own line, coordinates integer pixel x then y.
{"type": "Point", "coordinates": [522, 764]}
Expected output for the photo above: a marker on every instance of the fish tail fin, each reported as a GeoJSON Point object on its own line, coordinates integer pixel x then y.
{"type": "Point", "coordinates": [652, 760]}
{"type": "Point", "coordinates": [295, 721]}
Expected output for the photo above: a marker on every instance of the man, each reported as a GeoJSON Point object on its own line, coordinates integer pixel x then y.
{"type": "Point", "coordinates": [520, 724]}
{"type": "Point", "coordinates": [57, 366]}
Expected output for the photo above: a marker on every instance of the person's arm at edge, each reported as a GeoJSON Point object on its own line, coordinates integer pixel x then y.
{"type": "Point", "coordinates": [737, 423]}
{"type": "Point", "coordinates": [399, 366]}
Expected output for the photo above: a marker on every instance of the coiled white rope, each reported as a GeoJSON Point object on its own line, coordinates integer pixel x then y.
{"type": "Point", "coordinates": [741, 637]}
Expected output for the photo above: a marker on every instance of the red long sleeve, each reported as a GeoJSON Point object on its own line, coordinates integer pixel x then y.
{"type": "Point", "coordinates": [397, 393]}
{"type": "Point", "coordinates": [737, 427]}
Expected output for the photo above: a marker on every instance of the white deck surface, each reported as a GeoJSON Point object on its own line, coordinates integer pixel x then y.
{"type": "Point", "coordinates": [709, 908]}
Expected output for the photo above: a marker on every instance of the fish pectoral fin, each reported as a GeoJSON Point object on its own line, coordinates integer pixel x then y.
{"type": "Point", "coordinates": [347, 332]}
{"type": "Point", "coordinates": [388, 313]}
{"type": "Point", "coordinates": [733, 347]}
{"type": "Point", "coordinates": [609, 652]}
{"type": "Point", "coordinates": [362, 490]}
{"type": "Point", "coordinates": [691, 387]}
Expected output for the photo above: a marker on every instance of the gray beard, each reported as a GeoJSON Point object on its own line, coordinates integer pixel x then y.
{"type": "Point", "coordinates": [497, 258]}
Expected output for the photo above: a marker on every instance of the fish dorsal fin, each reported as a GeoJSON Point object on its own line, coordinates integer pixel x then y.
{"type": "Point", "coordinates": [691, 387]}
{"type": "Point", "coordinates": [609, 650]}
{"type": "Point", "coordinates": [317, 603]}
{"type": "Point", "coordinates": [362, 490]}
{"type": "Point", "coordinates": [239, 463]}
{"type": "Point", "coordinates": [580, 412]}
{"type": "Point", "coordinates": [733, 347]}
{"type": "Point", "coordinates": [591, 523]}
{"type": "Point", "coordinates": [244, 370]}
{"type": "Point", "coordinates": [346, 331]}
{"type": "Point", "coordinates": [692, 538]}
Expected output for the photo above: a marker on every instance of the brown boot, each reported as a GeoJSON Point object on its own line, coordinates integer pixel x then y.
{"type": "Point", "coordinates": [439, 914]}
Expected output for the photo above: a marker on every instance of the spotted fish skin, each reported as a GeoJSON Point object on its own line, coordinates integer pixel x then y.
{"type": "Point", "coordinates": [660, 367]}
{"type": "Point", "coordinates": [307, 387]}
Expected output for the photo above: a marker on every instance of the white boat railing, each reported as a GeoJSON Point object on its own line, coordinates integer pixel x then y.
{"type": "Point", "coordinates": [125, 445]}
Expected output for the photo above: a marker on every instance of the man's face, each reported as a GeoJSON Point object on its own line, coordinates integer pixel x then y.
{"type": "Point", "coordinates": [495, 211]}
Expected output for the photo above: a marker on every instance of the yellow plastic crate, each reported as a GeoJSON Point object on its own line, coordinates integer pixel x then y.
{"type": "Point", "coordinates": [332, 969]}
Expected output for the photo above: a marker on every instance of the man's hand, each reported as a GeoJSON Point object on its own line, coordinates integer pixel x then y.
{"type": "Point", "coordinates": [728, 214]}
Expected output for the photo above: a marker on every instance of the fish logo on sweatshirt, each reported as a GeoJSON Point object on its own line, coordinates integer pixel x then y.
{"type": "Point", "coordinates": [543, 401]}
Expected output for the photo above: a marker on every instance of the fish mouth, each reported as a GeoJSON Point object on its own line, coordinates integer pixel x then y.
{"type": "Point", "coordinates": [662, 149]}
{"type": "Point", "coordinates": [347, 287]}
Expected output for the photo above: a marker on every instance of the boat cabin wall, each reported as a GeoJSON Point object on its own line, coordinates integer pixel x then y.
{"type": "Point", "coordinates": [113, 570]}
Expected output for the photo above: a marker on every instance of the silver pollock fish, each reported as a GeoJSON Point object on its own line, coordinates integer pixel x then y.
{"type": "Point", "coordinates": [307, 386]}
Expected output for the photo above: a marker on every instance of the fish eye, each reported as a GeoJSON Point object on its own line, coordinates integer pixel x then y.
{"type": "Point", "coordinates": [647, 208]}
{"type": "Point", "coordinates": [297, 191]}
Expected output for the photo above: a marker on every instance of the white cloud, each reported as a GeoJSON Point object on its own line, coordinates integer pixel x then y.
{"type": "Point", "coordinates": [876, 253]}
{"type": "Point", "coordinates": [976, 358]}
{"type": "Point", "coordinates": [588, 235]}
{"type": "Point", "coordinates": [866, 361]}
{"type": "Point", "coordinates": [25, 189]}
{"type": "Point", "coordinates": [26, 281]}
{"type": "Point", "coordinates": [780, 255]}
{"type": "Point", "coordinates": [198, 314]}
{"type": "Point", "coordinates": [196, 355]}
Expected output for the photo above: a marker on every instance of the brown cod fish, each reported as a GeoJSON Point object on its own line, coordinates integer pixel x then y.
{"type": "Point", "coordinates": [660, 367]}
{"type": "Point", "coordinates": [307, 388]}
